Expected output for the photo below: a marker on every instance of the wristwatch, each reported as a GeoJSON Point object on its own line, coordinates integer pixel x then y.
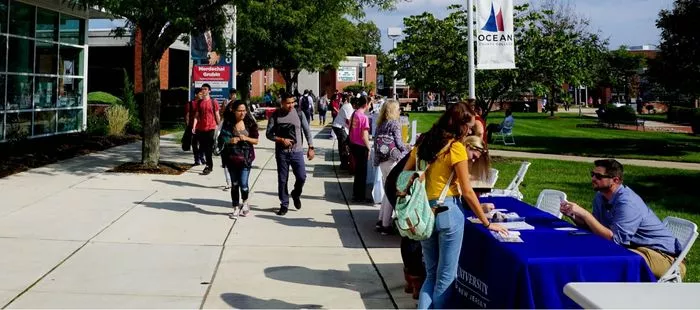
{"type": "Point", "coordinates": [488, 225]}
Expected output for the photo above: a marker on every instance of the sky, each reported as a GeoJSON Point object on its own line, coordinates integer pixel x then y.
{"type": "Point", "coordinates": [623, 22]}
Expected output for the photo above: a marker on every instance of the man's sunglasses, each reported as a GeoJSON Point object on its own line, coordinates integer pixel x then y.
{"type": "Point", "coordinates": [600, 176]}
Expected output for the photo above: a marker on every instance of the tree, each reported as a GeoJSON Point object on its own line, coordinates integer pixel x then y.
{"type": "Point", "coordinates": [677, 67]}
{"type": "Point", "coordinates": [555, 48]}
{"type": "Point", "coordinates": [295, 35]}
{"type": "Point", "coordinates": [622, 70]}
{"type": "Point", "coordinates": [159, 23]}
{"type": "Point", "coordinates": [433, 54]}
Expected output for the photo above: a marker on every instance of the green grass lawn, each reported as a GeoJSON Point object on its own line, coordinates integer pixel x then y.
{"type": "Point", "coordinates": [666, 191]}
{"type": "Point", "coordinates": [661, 117]}
{"type": "Point", "coordinates": [536, 132]}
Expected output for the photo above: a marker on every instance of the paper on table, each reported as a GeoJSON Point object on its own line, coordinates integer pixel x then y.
{"type": "Point", "coordinates": [513, 236]}
{"type": "Point", "coordinates": [566, 228]}
{"type": "Point", "coordinates": [517, 226]}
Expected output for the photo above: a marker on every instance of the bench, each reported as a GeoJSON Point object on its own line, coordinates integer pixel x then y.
{"type": "Point", "coordinates": [615, 122]}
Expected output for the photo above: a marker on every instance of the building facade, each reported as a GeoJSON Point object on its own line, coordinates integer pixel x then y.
{"type": "Point", "coordinates": [43, 72]}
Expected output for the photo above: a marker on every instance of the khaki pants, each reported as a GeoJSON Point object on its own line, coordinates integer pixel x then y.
{"type": "Point", "coordinates": [658, 262]}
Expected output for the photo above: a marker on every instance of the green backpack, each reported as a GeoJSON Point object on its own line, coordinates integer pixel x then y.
{"type": "Point", "coordinates": [415, 218]}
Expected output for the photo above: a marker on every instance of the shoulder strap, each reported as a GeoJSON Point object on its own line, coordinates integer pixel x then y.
{"type": "Point", "coordinates": [441, 200]}
{"type": "Point", "coordinates": [351, 119]}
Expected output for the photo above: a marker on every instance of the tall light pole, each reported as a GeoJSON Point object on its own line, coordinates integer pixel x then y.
{"type": "Point", "coordinates": [394, 33]}
{"type": "Point", "coordinates": [470, 20]}
{"type": "Point", "coordinates": [234, 65]}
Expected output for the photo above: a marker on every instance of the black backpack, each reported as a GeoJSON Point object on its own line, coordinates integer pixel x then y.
{"type": "Point", "coordinates": [305, 103]}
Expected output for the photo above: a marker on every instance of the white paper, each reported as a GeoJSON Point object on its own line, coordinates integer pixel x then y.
{"type": "Point", "coordinates": [566, 228]}
{"type": "Point", "coordinates": [511, 237]}
{"type": "Point", "coordinates": [517, 226]}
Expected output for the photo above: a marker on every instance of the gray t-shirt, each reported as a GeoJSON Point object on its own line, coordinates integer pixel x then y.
{"type": "Point", "coordinates": [633, 223]}
{"type": "Point", "coordinates": [293, 117]}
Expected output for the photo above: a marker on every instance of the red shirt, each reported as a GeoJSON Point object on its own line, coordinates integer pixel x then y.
{"type": "Point", "coordinates": [207, 120]}
{"type": "Point", "coordinates": [190, 108]}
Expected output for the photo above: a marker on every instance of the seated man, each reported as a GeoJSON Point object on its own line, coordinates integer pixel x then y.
{"type": "Point", "coordinates": [507, 122]}
{"type": "Point", "coordinates": [620, 215]}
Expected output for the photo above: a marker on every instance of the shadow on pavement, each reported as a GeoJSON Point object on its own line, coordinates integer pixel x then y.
{"type": "Point", "coordinates": [206, 202]}
{"type": "Point", "coordinates": [297, 222]}
{"type": "Point", "coordinates": [183, 184]}
{"type": "Point", "coordinates": [177, 206]}
{"type": "Point", "coordinates": [240, 301]}
{"type": "Point", "coordinates": [362, 278]}
{"type": "Point", "coordinates": [365, 221]}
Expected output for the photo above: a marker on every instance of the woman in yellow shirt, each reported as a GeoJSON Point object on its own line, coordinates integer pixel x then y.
{"type": "Point", "coordinates": [443, 149]}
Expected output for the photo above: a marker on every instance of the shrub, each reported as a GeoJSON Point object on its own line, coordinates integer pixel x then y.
{"type": "Point", "coordinates": [354, 88]}
{"type": "Point", "coordinates": [117, 119]}
{"type": "Point", "coordinates": [256, 99]}
{"type": "Point", "coordinates": [97, 124]}
{"type": "Point", "coordinates": [695, 123]}
{"type": "Point", "coordinates": [275, 87]}
{"type": "Point", "coordinates": [681, 114]}
{"type": "Point", "coordinates": [100, 97]}
{"type": "Point", "coordinates": [134, 125]}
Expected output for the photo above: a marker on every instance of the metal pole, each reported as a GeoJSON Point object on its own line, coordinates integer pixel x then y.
{"type": "Point", "coordinates": [470, 20]}
{"type": "Point", "coordinates": [395, 73]}
{"type": "Point", "coordinates": [234, 65]}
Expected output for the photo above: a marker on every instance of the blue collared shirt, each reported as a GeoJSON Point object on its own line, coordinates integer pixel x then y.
{"type": "Point", "coordinates": [632, 222]}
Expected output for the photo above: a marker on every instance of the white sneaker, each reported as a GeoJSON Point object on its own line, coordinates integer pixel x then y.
{"type": "Point", "coordinates": [245, 209]}
{"type": "Point", "coordinates": [234, 215]}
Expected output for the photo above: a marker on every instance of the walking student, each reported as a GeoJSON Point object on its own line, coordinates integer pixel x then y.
{"type": "Point", "coordinates": [205, 122]}
{"type": "Point", "coordinates": [287, 127]}
{"type": "Point", "coordinates": [240, 134]}
{"type": "Point", "coordinates": [190, 116]}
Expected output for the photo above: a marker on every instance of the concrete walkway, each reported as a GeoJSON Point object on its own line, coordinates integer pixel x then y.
{"type": "Point", "coordinates": [634, 162]}
{"type": "Point", "coordinates": [74, 236]}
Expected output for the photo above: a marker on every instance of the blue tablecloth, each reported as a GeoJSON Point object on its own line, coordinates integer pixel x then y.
{"type": "Point", "coordinates": [532, 274]}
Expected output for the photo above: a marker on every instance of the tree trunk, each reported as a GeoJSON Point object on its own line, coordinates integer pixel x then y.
{"type": "Point", "coordinates": [243, 86]}
{"type": "Point", "coordinates": [289, 85]}
{"type": "Point", "coordinates": [150, 147]}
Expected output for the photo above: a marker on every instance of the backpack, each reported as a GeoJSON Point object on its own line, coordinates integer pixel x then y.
{"type": "Point", "coordinates": [385, 148]}
{"type": "Point", "coordinates": [306, 103]}
{"type": "Point", "coordinates": [415, 218]}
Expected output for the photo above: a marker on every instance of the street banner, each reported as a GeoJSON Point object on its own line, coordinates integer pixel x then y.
{"type": "Point", "coordinates": [495, 47]}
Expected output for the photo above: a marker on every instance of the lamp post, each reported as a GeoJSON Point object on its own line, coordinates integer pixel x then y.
{"type": "Point", "coordinates": [394, 33]}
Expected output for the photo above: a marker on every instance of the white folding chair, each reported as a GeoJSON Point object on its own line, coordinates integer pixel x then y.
{"type": "Point", "coordinates": [506, 131]}
{"type": "Point", "coordinates": [493, 177]}
{"type": "Point", "coordinates": [513, 189]}
{"type": "Point", "coordinates": [549, 201]}
{"type": "Point", "coordinates": [414, 135]}
{"type": "Point", "coordinates": [686, 232]}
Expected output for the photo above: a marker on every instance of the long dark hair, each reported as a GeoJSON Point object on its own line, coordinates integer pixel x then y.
{"type": "Point", "coordinates": [452, 125]}
{"type": "Point", "coordinates": [248, 119]}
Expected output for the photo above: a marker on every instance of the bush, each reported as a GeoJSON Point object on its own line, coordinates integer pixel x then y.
{"type": "Point", "coordinates": [100, 97]}
{"type": "Point", "coordinates": [134, 125]}
{"type": "Point", "coordinates": [117, 119]}
{"type": "Point", "coordinates": [681, 114]}
{"type": "Point", "coordinates": [275, 88]}
{"type": "Point", "coordinates": [97, 124]}
{"type": "Point", "coordinates": [695, 123]}
{"type": "Point", "coordinates": [256, 99]}
{"type": "Point", "coordinates": [354, 88]}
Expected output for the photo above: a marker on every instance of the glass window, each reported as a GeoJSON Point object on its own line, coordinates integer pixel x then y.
{"type": "Point", "coordinates": [44, 122]}
{"type": "Point", "coordinates": [72, 30]}
{"type": "Point", "coordinates": [21, 56]}
{"type": "Point", "coordinates": [19, 92]}
{"type": "Point", "coordinates": [3, 20]}
{"type": "Point", "coordinates": [2, 126]}
{"type": "Point", "coordinates": [46, 58]}
{"type": "Point", "coordinates": [45, 91]}
{"type": "Point", "coordinates": [46, 25]}
{"type": "Point", "coordinates": [3, 50]}
{"type": "Point", "coordinates": [69, 120]}
{"type": "Point", "coordinates": [21, 19]}
{"type": "Point", "coordinates": [2, 94]}
{"type": "Point", "coordinates": [70, 92]}
{"type": "Point", "coordinates": [19, 125]}
{"type": "Point", "coordinates": [71, 60]}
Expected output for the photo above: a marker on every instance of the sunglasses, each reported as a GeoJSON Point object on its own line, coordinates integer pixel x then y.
{"type": "Point", "coordinates": [600, 176]}
{"type": "Point", "coordinates": [481, 150]}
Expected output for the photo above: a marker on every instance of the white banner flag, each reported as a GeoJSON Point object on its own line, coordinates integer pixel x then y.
{"type": "Point", "coordinates": [495, 35]}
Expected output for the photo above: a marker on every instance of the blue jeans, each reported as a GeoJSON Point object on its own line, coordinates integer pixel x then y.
{"type": "Point", "coordinates": [284, 161]}
{"type": "Point", "coordinates": [441, 255]}
{"type": "Point", "coordinates": [239, 181]}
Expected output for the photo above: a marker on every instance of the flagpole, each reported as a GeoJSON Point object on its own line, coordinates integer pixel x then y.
{"type": "Point", "coordinates": [470, 20]}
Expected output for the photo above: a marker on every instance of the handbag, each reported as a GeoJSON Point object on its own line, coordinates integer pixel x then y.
{"type": "Point", "coordinates": [415, 218]}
